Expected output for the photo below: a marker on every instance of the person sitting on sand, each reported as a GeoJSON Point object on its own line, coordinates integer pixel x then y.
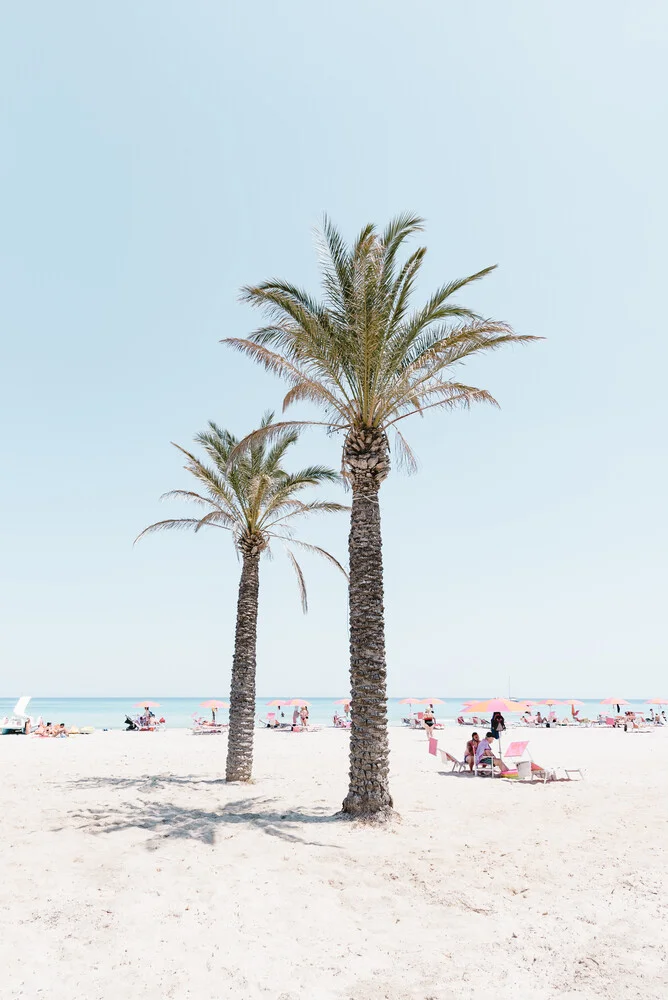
{"type": "Point", "coordinates": [471, 747]}
{"type": "Point", "coordinates": [539, 719]}
{"type": "Point", "coordinates": [60, 730]}
{"type": "Point", "coordinates": [485, 753]}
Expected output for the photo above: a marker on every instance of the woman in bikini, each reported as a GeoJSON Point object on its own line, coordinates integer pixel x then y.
{"type": "Point", "coordinates": [429, 719]}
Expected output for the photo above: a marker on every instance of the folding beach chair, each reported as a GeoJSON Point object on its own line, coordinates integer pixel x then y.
{"type": "Point", "coordinates": [456, 765]}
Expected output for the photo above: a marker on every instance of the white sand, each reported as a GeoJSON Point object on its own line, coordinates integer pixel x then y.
{"type": "Point", "coordinates": [130, 869]}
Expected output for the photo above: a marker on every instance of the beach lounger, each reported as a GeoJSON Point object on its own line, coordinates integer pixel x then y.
{"type": "Point", "coordinates": [455, 765]}
{"type": "Point", "coordinates": [530, 769]}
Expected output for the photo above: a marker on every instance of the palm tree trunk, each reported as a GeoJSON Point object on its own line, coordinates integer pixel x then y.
{"type": "Point", "coordinates": [242, 693]}
{"type": "Point", "coordinates": [368, 792]}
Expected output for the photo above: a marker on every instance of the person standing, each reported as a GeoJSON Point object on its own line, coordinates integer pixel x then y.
{"type": "Point", "coordinates": [497, 725]}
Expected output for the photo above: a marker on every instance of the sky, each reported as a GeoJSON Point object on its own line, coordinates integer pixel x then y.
{"type": "Point", "coordinates": [158, 155]}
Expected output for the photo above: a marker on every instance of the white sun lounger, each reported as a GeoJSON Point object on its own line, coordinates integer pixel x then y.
{"type": "Point", "coordinates": [455, 765]}
{"type": "Point", "coordinates": [16, 722]}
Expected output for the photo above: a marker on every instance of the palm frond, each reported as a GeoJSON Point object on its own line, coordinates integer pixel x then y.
{"type": "Point", "coordinates": [248, 490]}
{"type": "Point", "coordinates": [364, 355]}
{"type": "Point", "coordinates": [316, 550]}
{"type": "Point", "coordinates": [300, 580]}
{"type": "Point", "coordinates": [405, 453]}
{"type": "Point", "coordinates": [181, 523]}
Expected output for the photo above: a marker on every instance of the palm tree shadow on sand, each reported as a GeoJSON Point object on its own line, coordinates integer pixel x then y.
{"type": "Point", "coordinates": [169, 820]}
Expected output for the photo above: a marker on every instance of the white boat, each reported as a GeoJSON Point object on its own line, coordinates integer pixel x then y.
{"type": "Point", "coordinates": [17, 721]}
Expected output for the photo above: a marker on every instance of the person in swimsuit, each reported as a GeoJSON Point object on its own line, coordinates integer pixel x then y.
{"type": "Point", "coordinates": [429, 719]}
{"type": "Point", "coordinates": [471, 747]}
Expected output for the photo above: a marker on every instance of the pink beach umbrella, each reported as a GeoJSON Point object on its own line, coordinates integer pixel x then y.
{"type": "Point", "coordinates": [496, 705]}
{"type": "Point", "coordinates": [615, 701]}
{"type": "Point", "coordinates": [147, 704]}
{"type": "Point", "coordinates": [214, 706]}
{"type": "Point", "coordinates": [277, 702]}
{"type": "Point", "coordinates": [432, 701]}
{"type": "Point", "coordinates": [658, 701]}
{"type": "Point", "coordinates": [342, 701]}
{"type": "Point", "coordinates": [409, 701]}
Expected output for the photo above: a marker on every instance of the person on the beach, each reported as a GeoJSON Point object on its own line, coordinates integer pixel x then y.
{"type": "Point", "coordinates": [304, 716]}
{"type": "Point", "coordinates": [485, 753]}
{"type": "Point", "coordinates": [497, 725]}
{"type": "Point", "coordinates": [539, 718]}
{"type": "Point", "coordinates": [428, 719]}
{"type": "Point", "coordinates": [346, 709]}
{"type": "Point", "coordinates": [471, 747]}
{"type": "Point", "coordinates": [295, 717]}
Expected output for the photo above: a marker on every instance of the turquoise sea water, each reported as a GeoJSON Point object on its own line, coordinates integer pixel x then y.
{"type": "Point", "coordinates": [109, 713]}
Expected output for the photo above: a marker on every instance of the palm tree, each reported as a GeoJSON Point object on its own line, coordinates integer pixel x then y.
{"type": "Point", "coordinates": [368, 362]}
{"type": "Point", "coordinates": [253, 497]}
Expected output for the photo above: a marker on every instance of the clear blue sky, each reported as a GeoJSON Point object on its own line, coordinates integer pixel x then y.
{"type": "Point", "coordinates": [156, 155]}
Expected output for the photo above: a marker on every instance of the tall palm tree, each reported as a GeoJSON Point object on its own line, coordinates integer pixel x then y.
{"type": "Point", "coordinates": [252, 496]}
{"type": "Point", "coordinates": [369, 362]}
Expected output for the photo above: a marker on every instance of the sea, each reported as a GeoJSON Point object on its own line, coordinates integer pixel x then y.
{"type": "Point", "coordinates": [109, 713]}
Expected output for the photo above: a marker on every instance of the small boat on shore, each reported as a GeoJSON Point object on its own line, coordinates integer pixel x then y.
{"type": "Point", "coordinates": [19, 721]}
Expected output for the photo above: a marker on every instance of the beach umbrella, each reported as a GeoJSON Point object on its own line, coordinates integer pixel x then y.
{"type": "Point", "coordinates": [432, 701]}
{"type": "Point", "coordinates": [147, 704]}
{"type": "Point", "coordinates": [552, 701]}
{"type": "Point", "coordinates": [657, 701]}
{"type": "Point", "coordinates": [297, 702]}
{"type": "Point", "coordinates": [342, 701]}
{"type": "Point", "coordinates": [497, 705]}
{"type": "Point", "coordinates": [615, 701]}
{"type": "Point", "coordinates": [214, 706]}
{"type": "Point", "coordinates": [409, 701]}
{"type": "Point", "coordinates": [277, 702]}
{"type": "Point", "coordinates": [573, 701]}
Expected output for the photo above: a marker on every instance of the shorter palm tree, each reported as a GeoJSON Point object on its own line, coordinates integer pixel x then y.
{"type": "Point", "coordinates": [256, 499]}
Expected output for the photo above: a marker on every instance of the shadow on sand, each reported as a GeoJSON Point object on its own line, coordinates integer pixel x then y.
{"type": "Point", "coordinates": [167, 819]}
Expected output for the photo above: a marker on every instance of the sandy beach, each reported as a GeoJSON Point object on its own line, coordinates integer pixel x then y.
{"type": "Point", "coordinates": [129, 867]}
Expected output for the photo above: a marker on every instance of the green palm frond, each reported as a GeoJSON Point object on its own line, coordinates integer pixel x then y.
{"type": "Point", "coordinates": [362, 355]}
{"type": "Point", "coordinates": [248, 491]}
{"type": "Point", "coordinates": [181, 523]}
